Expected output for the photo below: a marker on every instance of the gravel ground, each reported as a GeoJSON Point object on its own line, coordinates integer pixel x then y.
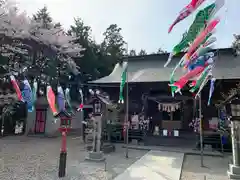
{"type": "Point", "coordinates": [25, 158]}
{"type": "Point", "coordinates": [215, 168]}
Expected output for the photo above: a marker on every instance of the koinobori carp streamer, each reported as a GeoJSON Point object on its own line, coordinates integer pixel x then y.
{"type": "Point", "coordinates": [200, 22]}
{"type": "Point", "coordinates": [191, 7]}
{"type": "Point", "coordinates": [197, 43]}
{"type": "Point", "coordinates": [51, 99]}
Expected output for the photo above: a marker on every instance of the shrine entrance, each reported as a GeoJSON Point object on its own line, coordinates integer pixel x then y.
{"type": "Point", "coordinates": [40, 122]}
{"type": "Point", "coordinates": [169, 120]}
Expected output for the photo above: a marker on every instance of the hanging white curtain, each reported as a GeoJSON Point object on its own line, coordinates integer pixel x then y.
{"type": "Point", "coordinates": [169, 107]}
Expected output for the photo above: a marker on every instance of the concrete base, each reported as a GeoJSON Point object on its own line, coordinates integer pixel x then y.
{"type": "Point", "coordinates": [89, 147]}
{"type": "Point", "coordinates": [105, 148]}
{"type": "Point", "coordinates": [234, 172]}
{"type": "Point", "coordinates": [135, 142]}
{"type": "Point", "coordinates": [108, 148]}
{"type": "Point", "coordinates": [95, 156]}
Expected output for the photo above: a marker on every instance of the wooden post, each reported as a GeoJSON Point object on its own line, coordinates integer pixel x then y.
{"type": "Point", "coordinates": [201, 127]}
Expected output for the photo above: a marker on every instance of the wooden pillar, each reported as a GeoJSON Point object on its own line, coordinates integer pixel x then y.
{"type": "Point", "coordinates": [161, 117]}
{"type": "Point", "coordinates": [182, 114]}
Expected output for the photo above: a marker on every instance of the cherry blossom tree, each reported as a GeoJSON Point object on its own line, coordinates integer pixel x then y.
{"type": "Point", "coordinates": [32, 48]}
{"type": "Point", "coordinates": [25, 36]}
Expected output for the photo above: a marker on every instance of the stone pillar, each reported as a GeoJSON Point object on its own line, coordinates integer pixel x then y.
{"type": "Point", "coordinates": [234, 168]}
{"type": "Point", "coordinates": [99, 133]}
{"type": "Point", "coordinates": [30, 122]}
{"type": "Point", "coordinates": [96, 154]}
{"type": "Point", "coordinates": [94, 135]}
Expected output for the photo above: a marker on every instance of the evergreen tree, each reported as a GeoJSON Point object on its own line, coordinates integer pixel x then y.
{"type": "Point", "coordinates": [132, 52]}
{"type": "Point", "coordinates": [236, 44]}
{"type": "Point", "coordinates": [113, 43]}
{"type": "Point", "coordinates": [89, 61]}
{"type": "Point", "coordinates": [142, 52]}
{"type": "Point", "coordinates": [43, 16]}
{"type": "Point", "coordinates": [160, 51]}
{"type": "Point", "coordinates": [98, 59]}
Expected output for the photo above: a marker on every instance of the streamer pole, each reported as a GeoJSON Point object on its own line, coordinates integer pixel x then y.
{"type": "Point", "coordinates": [127, 108]}
{"type": "Point", "coordinates": [201, 127]}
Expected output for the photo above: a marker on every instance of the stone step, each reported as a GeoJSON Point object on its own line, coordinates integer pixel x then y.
{"type": "Point", "coordinates": [233, 176]}
{"type": "Point", "coordinates": [234, 169]}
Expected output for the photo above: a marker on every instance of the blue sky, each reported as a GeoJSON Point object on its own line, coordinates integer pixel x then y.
{"type": "Point", "coordinates": [144, 22]}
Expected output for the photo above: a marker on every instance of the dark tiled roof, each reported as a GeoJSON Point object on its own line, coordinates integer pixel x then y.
{"type": "Point", "coordinates": [164, 56]}
{"type": "Point", "coordinates": [150, 68]}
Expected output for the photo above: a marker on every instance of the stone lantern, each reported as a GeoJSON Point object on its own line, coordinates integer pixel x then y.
{"type": "Point", "coordinates": [65, 125]}
{"type": "Point", "coordinates": [233, 109]}
{"type": "Point", "coordinates": [96, 154]}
